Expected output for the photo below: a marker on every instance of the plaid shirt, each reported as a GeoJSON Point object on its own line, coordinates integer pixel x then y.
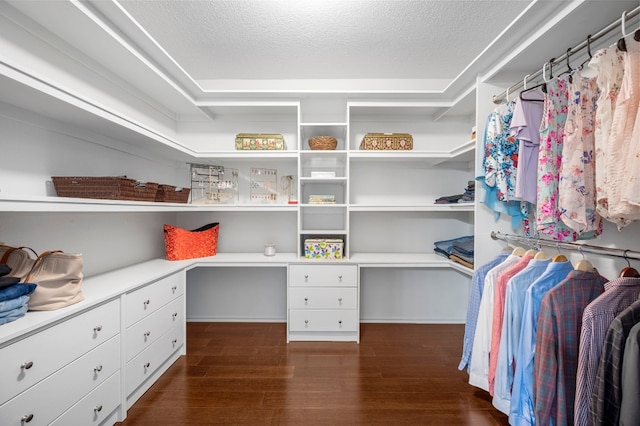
{"type": "Point", "coordinates": [618, 295]}
{"type": "Point", "coordinates": [475, 295]}
{"type": "Point", "coordinates": [556, 358]}
{"type": "Point", "coordinates": [607, 390]}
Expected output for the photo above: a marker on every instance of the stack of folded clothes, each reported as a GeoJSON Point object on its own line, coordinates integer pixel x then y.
{"type": "Point", "coordinates": [468, 196]}
{"type": "Point", "coordinates": [458, 249]}
{"type": "Point", "coordinates": [13, 296]}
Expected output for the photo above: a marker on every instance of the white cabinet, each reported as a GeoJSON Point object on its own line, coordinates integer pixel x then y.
{"type": "Point", "coordinates": [323, 302]}
{"type": "Point", "coordinates": [68, 378]}
{"type": "Point", "coordinates": [154, 321]}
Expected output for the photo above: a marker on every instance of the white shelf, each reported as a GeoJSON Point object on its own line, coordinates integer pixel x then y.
{"type": "Point", "coordinates": [261, 155]}
{"type": "Point", "coordinates": [323, 231]}
{"type": "Point", "coordinates": [406, 260]}
{"type": "Point", "coordinates": [461, 207]}
{"type": "Point", "coordinates": [62, 204]}
{"type": "Point", "coordinates": [342, 180]}
{"type": "Point", "coordinates": [464, 152]}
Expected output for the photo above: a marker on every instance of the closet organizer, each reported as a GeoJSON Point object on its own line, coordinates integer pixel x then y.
{"type": "Point", "coordinates": [552, 324]}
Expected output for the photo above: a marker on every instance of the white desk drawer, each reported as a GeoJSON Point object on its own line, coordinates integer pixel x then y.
{"type": "Point", "coordinates": [141, 302]}
{"type": "Point", "coordinates": [30, 360]}
{"type": "Point", "coordinates": [149, 329]}
{"type": "Point", "coordinates": [142, 366]}
{"type": "Point", "coordinates": [323, 320]}
{"type": "Point", "coordinates": [95, 407]}
{"type": "Point", "coordinates": [323, 298]}
{"type": "Point", "coordinates": [323, 275]}
{"type": "Point", "coordinates": [51, 397]}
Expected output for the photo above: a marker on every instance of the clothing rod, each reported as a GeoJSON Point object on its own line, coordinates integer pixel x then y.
{"type": "Point", "coordinates": [583, 248]}
{"type": "Point", "coordinates": [559, 60]}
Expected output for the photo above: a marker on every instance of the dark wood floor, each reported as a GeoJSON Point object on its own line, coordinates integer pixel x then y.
{"type": "Point", "coordinates": [246, 374]}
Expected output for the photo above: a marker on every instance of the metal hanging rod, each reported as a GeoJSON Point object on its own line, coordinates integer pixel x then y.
{"type": "Point", "coordinates": [582, 248]}
{"type": "Point", "coordinates": [574, 50]}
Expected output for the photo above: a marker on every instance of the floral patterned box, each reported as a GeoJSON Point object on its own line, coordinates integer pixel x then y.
{"type": "Point", "coordinates": [330, 249]}
{"type": "Point", "coordinates": [260, 141]}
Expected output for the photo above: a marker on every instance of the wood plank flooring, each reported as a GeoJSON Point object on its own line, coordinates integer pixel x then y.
{"type": "Point", "coordinates": [246, 374]}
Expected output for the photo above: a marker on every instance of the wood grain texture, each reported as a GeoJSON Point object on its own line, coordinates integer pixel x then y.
{"type": "Point", "coordinates": [246, 374]}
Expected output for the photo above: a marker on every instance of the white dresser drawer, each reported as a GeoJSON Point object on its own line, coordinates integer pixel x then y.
{"type": "Point", "coordinates": [95, 407]}
{"type": "Point", "coordinates": [142, 366]}
{"type": "Point", "coordinates": [47, 400]}
{"type": "Point", "coordinates": [323, 320]}
{"type": "Point", "coordinates": [146, 331]}
{"type": "Point", "coordinates": [323, 275]}
{"type": "Point", "coordinates": [30, 360]}
{"type": "Point", "coordinates": [141, 302]}
{"type": "Point", "coordinates": [323, 298]}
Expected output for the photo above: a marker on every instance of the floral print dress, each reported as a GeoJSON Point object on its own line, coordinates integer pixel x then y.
{"type": "Point", "coordinates": [577, 186]}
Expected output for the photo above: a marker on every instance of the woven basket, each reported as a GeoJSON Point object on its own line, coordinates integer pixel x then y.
{"type": "Point", "coordinates": [104, 187]}
{"type": "Point", "coordinates": [172, 194]}
{"type": "Point", "coordinates": [323, 143]}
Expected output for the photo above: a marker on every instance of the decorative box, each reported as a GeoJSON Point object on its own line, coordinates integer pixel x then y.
{"type": "Point", "coordinates": [329, 249]}
{"type": "Point", "coordinates": [260, 141]}
{"type": "Point", "coordinates": [387, 141]}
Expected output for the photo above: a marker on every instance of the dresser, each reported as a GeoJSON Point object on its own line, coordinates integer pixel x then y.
{"type": "Point", "coordinates": [323, 302]}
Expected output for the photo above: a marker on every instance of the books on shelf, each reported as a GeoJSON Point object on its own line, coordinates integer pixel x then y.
{"type": "Point", "coordinates": [322, 199]}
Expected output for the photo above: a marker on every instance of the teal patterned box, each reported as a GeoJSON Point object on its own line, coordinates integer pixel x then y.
{"type": "Point", "coordinates": [328, 249]}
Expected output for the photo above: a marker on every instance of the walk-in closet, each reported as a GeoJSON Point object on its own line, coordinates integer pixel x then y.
{"type": "Point", "coordinates": [285, 212]}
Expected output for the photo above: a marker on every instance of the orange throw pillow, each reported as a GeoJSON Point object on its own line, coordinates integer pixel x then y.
{"type": "Point", "coordinates": [183, 244]}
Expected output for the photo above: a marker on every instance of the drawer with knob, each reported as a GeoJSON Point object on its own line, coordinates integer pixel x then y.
{"type": "Point", "coordinates": [323, 275]}
{"type": "Point", "coordinates": [323, 320]}
{"type": "Point", "coordinates": [140, 303]}
{"type": "Point", "coordinates": [47, 400]}
{"type": "Point", "coordinates": [323, 298]}
{"type": "Point", "coordinates": [146, 331]}
{"type": "Point", "coordinates": [28, 361]}
{"type": "Point", "coordinates": [94, 408]}
{"type": "Point", "coordinates": [147, 362]}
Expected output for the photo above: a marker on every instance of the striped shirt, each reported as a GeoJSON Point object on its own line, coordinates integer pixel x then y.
{"type": "Point", "coordinates": [557, 337]}
{"type": "Point", "coordinates": [607, 395]}
{"type": "Point", "coordinates": [475, 296]}
{"type": "Point", "coordinates": [596, 319]}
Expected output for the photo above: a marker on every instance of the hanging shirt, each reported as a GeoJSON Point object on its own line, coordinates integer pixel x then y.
{"type": "Point", "coordinates": [502, 149]}
{"type": "Point", "coordinates": [629, 407]}
{"type": "Point", "coordinates": [521, 410]}
{"type": "Point", "coordinates": [475, 296]}
{"type": "Point", "coordinates": [609, 65]}
{"type": "Point", "coordinates": [513, 305]}
{"type": "Point", "coordinates": [498, 314]}
{"type": "Point", "coordinates": [525, 127]}
{"type": "Point", "coordinates": [557, 336]}
{"type": "Point", "coordinates": [479, 366]}
{"type": "Point", "coordinates": [596, 318]}
{"type": "Point", "coordinates": [577, 186]}
{"type": "Point", "coordinates": [607, 395]}
{"type": "Point", "coordinates": [622, 180]}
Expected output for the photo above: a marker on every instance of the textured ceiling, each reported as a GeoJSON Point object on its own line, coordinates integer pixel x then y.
{"type": "Point", "coordinates": [323, 39]}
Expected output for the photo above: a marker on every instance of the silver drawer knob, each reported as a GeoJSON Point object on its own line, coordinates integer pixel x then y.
{"type": "Point", "coordinates": [340, 300]}
{"type": "Point", "coordinates": [340, 323]}
{"type": "Point", "coordinates": [26, 365]}
{"type": "Point", "coordinates": [98, 368]}
{"type": "Point", "coordinates": [146, 302]}
{"type": "Point", "coordinates": [306, 323]}
{"type": "Point", "coordinates": [340, 278]}
{"type": "Point", "coordinates": [147, 333]}
{"type": "Point", "coordinates": [26, 418]}
{"type": "Point", "coordinates": [147, 365]}
{"type": "Point", "coordinates": [174, 315]}
{"type": "Point", "coordinates": [174, 341]}
{"type": "Point", "coordinates": [306, 300]}
{"type": "Point", "coordinates": [174, 288]}
{"type": "Point", "coordinates": [306, 278]}
{"type": "Point", "coordinates": [98, 408]}
{"type": "Point", "coordinates": [97, 328]}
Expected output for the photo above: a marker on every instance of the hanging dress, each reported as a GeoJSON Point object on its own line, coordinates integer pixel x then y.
{"type": "Point", "coordinates": [576, 189]}
{"type": "Point", "coordinates": [631, 188]}
{"type": "Point", "coordinates": [550, 162]}
{"type": "Point", "coordinates": [621, 146]}
{"type": "Point", "coordinates": [609, 65]}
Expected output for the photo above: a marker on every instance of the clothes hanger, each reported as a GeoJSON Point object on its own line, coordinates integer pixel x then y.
{"type": "Point", "coordinates": [518, 251]}
{"type": "Point", "coordinates": [569, 70]}
{"type": "Point", "coordinates": [542, 86]}
{"type": "Point", "coordinates": [628, 271]}
{"type": "Point", "coordinates": [541, 255]}
{"type": "Point", "coordinates": [559, 257]}
{"type": "Point", "coordinates": [584, 264]}
{"type": "Point", "coordinates": [588, 52]}
{"type": "Point", "coordinates": [622, 44]}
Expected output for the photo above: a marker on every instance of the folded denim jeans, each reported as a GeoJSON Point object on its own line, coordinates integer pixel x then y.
{"type": "Point", "coordinates": [11, 304]}
{"type": "Point", "coordinates": [446, 246]}
{"type": "Point", "coordinates": [16, 290]}
{"type": "Point", "coordinates": [19, 313]}
{"type": "Point", "coordinates": [22, 309]}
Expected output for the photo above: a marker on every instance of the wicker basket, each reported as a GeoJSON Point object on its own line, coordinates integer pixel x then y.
{"type": "Point", "coordinates": [172, 194]}
{"type": "Point", "coordinates": [104, 187]}
{"type": "Point", "coordinates": [323, 143]}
